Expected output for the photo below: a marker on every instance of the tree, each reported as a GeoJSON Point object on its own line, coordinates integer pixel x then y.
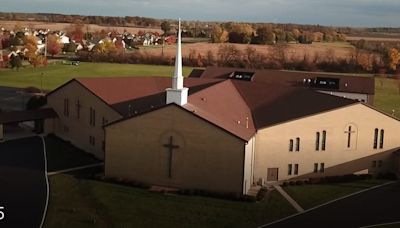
{"type": "Point", "coordinates": [53, 45]}
{"type": "Point", "coordinates": [392, 58]}
{"type": "Point", "coordinates": [219, 34]}
{"type": "Point", "coordinates": [75, 31]}
{"type": "Point", "coordinates": [266, 35]}
{"type": "Point", "coordinates": [15, 61]}
{"type": "Point", "coordinates": [165, 27]}
{"type": "Point", "coordinates": [241, 33]}
{"type": "Point", "coordinates": [31, 43]}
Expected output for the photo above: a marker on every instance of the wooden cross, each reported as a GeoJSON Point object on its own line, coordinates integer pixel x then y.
{"type": "Point", "coordinates": [349, 132]}
{"type": "Point", "coordinates": [171, 148]}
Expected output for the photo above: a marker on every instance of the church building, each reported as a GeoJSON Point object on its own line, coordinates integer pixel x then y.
{"type": "Point", "coordinates": [224, 134]}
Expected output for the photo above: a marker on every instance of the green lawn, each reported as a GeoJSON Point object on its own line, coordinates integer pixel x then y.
{"type": "Point", "coordinates": [56, 74]}
{"type": "Point", "coordinates": [87, 203]}
{"type": "Point", "coordinates": [309, 196]}
{"type": "Point", "coordinates": [62, 155]}
{"type": "Point", "coordinates": [387, 95]}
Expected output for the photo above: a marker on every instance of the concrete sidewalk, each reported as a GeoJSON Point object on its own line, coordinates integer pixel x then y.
{"type": "Point", "coordinates": [288, 198]}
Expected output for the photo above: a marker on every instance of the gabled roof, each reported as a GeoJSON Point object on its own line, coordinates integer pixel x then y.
{"type": "Point", "coordinates": [115, 90]}
{"type": "Point", "coordinates": [238, 107]}
{"type": "Point", "coordinates": [350, 84]}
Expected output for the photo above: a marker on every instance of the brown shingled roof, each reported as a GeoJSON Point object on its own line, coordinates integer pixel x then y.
{"type": "Point", "coordinates": [115, 90]}
{"type": "Point", "coordinates": [350, 84]}
{"type": "Point", "coordinates": [238, 107]}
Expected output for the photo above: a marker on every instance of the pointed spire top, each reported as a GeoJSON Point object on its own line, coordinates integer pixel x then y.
{"type": "Point", "coordinates": [178, 60]}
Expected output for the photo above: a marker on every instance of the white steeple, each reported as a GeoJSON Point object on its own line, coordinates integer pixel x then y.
{"type": "Point", "coordinates": [178, 94]}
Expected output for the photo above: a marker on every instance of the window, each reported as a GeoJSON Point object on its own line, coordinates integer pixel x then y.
{"type": "Point", "coordinates": [323, 140]}
{"type": "Point", "coordinates": [381, 139]}
{"type": "Point", "coordinates": [66, 129]}
{"type": "Point", "coordinates": [380, 163]}
{"type": "Point", "coordinates": [317, 141]}
{"type": "Point", "coordinates": [322, 168]}
{"type": "Point", "coordinates": [376, 138]}
{"type": "Point", "coordinates": [297, 144]}
{"type": "Point", "coordinates": [78, 109]}
{"type": "Point", "coordinates": [92, 140]}
{"type": "Point", "coordinates": [290, 169]}
{"type": "Point", "coordinates": [103, 145]}
{"type": "Point", "coordinates": [373, 164]}
{"type": "Point", "coordinates": [315, 167]}
{"type": "Point", "coordinates": [291, 145]}
{"type": "Point", "coordinates": [92, 117]}
{"type": "Point", "coordinates": [296, 169]}
{"type": "Point", "coordinates": [66, 107]}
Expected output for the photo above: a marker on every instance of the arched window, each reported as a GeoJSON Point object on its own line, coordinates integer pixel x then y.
{"type": "Point", "coordinates": [291, 145]}
{"type": "Point", "coordinates": [323, 140]}
{"type": "Point", "coordinates": [376, 138]}
{"type": "Point", "coordinates": [381, 139]}
{"type": "Point", "coordinates": [317, 141]}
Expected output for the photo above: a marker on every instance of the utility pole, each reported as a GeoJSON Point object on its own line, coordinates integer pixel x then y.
{"type": "Point", "coordinates": [45, 47]}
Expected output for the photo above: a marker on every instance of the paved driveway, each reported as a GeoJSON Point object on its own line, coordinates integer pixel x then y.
{"type": "Point", "coordinates": [381, 205]}
{"type": "Point", "coordinates": [22, 182]}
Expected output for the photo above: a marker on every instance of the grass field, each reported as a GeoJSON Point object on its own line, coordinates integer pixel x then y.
{"type": "Point", "coordinates": [90, 203]}
{"type": "Point", "coordinates": [309, 196]}
{"type": "Point", "coordinates": [55, 75]}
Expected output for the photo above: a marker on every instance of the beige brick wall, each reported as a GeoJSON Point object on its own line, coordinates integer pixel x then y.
{"type": "Point", "coordinates": [272, 144]}
{"type": "Point", "coordinates": [208, 158]}
{"type": "Point", "coordinates": [79, 130]}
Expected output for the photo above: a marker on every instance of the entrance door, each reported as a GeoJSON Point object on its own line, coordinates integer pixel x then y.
{"type": "Point", "coordinates": [272, 174]}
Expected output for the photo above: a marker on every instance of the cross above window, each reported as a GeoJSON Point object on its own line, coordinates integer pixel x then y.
{"type": "Point", "coordinates": [349, 132]}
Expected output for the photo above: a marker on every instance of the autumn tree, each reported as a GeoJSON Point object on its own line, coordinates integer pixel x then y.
{"type": "Point", "coordinates": [53, 45]}
{"type": "Point", "coordinates": [75, 31]}
{"type": "Point", "coordinates": [392, 58]}
{"type": "Point", "coordinates": [266, 35]}
{"type": "Point", "coordinates": [219, 34]}
{"type": "Point", "coordinates": [241, 33]}
{"type": "Point", "coordinates": [31, 43]}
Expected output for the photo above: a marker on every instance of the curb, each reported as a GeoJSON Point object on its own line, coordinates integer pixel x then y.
{"type": "Point", "coordinates": [75, 169]}
{"type": "Point", "coordinates": [47, 183]}
{"type": "Point", "coordinates": [327, 203]}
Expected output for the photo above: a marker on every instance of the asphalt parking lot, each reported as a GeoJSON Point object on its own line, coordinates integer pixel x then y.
{"type": "Point", "coordinates": [23, 188]}
{"type": "Point", "coordinates": [13, 99]}
{"type": "Point", "coordinates": [373, 207]}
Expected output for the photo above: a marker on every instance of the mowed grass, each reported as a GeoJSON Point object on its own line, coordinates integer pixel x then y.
{"type": "Point", "coordinates": [83, 203]}
{"type": "Point", "coordinates": [54, 75]}
{"type": "Point", "coordinates": [387, 95]}
{"type": "Point", "coordinates": [309, 196]}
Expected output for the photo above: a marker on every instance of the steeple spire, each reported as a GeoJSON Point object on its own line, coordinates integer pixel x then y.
{"type": "Point", "coordinates": [178, 94]}
{"type": "Point", "coordinates": [178, 77]}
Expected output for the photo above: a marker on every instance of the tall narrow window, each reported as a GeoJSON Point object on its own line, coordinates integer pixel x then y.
{"type": "Point", "coordinates": [290, 169]}
{"type": "Point", "coordinates": [322, 168]}
{"type": "Point", "coordinates": [297, 144]}
{"type": "Point", "coordinates": [296, 169]}
{"type": "Point", "coordinates": [380, 162]}
{"type": "Point", "coordinates": [315, 167]}
{"type": "Point", "coordinates": [323, 140]}
{"type": "Point", "coordinates": [376, 138]}
{"type": "Point", "coordinates": [66, 107]}
{"type": "Point", "coordinates": [92, 116]}
{"type": "Point", "coordinates": [349, 137]}
{"type": "Point", "coordinates": [317, 135]}
{"type": "Point", "coordinates": [382, 138]}
{"type": "Point", "coordinates": [78, 109]}
{"type": "Point", "coordinates": [291, 145]}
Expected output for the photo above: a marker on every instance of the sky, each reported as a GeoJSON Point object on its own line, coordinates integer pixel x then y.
{"type": "Point", "coordinates": [354, 13]}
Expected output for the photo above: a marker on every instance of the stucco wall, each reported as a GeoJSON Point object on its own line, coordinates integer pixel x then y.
{"type": "Point", "coordinates": [79, 130]}
{"type": "Point", "coordinates": [248, 165]}
{"type": "Point", "coordinates": [208, 158]}
{"type": "Point", "coordinates": [272, 144]}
